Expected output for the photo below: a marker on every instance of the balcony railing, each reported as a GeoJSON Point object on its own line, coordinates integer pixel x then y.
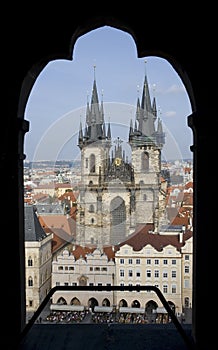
{"type": "Point", "coordinates": [189, 342]}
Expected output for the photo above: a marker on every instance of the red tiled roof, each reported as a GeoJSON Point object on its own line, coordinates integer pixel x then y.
{"type": "Point", "coordinates": [142, 237]}
{"type": "Point", "coordinates": [81, 251]}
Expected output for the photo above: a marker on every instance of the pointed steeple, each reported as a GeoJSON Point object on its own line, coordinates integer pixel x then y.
{"type": "Point", "coordinates": [80, 138]}
{"type": "Point", "coordinates": [130, 130]}
{"type": "Point", "coordinates": [160, 133]}
{"type": "Point", "coordinates": [145, 118]}
{"type": "Point", "coordinates": [109, 131]}
{"type": "Point", "coordinates": [94, 117]}
{"type": "Point", "coordinates": [154, 107]}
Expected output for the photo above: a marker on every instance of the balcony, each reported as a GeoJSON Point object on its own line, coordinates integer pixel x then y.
{"type": "Point", "coordinates": [87, 335]}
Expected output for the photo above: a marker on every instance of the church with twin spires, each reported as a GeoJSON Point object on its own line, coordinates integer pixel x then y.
{"type": "Point", "coordinates": [115, 195]}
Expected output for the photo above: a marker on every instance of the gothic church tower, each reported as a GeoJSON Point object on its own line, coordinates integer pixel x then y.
{"type": "Point", "coordinates": [116, 195]}
{"type": "Point", "coordinates": [146, 141]}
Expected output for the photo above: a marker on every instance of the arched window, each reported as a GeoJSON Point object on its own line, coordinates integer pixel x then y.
{"type": "Point", "coordinates": [61, 301]}
{"type": "Point", "coordinates": [92, 163]}
{"type": "Point", "coordinates": [145, 161]}
{"type": "Point", "coordinates": [91, 208]}
{"type": "Point", "coordinates": [75, 301]}
{"type": "Point", "coordinates": [118, 208]}
{"type": "Point", "coordinates": [30, 282]}
{"type": "Point", "coordinates": [118, 220]}
{"type": "Point", "coordinates": [30, 261]}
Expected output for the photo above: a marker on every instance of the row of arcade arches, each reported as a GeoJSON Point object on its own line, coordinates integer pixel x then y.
{"type": "Point", "coordinates": [149, 307]}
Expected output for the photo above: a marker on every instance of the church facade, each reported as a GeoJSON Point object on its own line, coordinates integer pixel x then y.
{"type": "Point", "coordinates": [117, 195]}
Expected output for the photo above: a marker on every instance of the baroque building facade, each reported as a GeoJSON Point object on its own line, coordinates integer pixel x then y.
{"type": "Point", "coordinates": [144, 258]}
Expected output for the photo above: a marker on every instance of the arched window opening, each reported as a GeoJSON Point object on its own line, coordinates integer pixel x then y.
{"type": "Point", "coordinates": [30, 282]}
{"type": "Point", "coordinates": [91, 208]}
{"type": "Point", "coordinates": [106, 302]}
{"type": "Point", "coordinates": [30, 261]}
{"type": "Point", "coordinates": [120, 211]}
{"type": "Point", "coordinates": [75, 301]}
{"type": "Point", "coordinates": [61, 301]}
{"type": "Point", "coordinates": [145, 161]}
{"type": "Point", "coordinates": [123, 303]}
{"type": "Point", "coordinates": [118, 220]}
{"type": "Point", "coordinates": [92, 163]}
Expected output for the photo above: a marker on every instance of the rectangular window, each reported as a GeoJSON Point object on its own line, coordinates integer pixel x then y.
{"type": "Point", "coordinates": [156, 261]}
{"type": "Point", "coordinates": [165, 288]}
{"type": "Point", "coordinates": [148, 273]}
{"type": "Point", "coordinates": [130, 273]}
{"type": "Point", "coordinates": [130, 261]}
{"type": "Point", "coordinates": [121, 273]}
{"type": "Point", "coordinates": [186, 269]}
{"type": "Point", "coordinates": [138, 261]}
{"type": "Point", "coordinates": [173, 288]}
{"type": "Point", "coordinates": [156, 273]}
{"type": "Point", "coordinates": [148, 261]}
{"type": "Point", "coordinates": [121, 261]}
{"type": "Point", "coordinates": [173, 274]}
{"type": "Point", "coordinates": [173, 261]}
{"type": "Point", "coordinates": [186, 283]}
{"type": "Point", "coordinates": [186, 257]}
{"type": "Point", "coordinates": [165, 261]}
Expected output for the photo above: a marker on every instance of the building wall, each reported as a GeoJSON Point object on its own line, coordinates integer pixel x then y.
{"type": "Point", "coordinates": [94, 270]}
{"type": "Point", "coordinates": [150, 260]}
{"type": "Point", "coordinates": [40, 272]}
{"type": "Point", "coordinates": [166, 271]}
{"type": "Point", "coordinates": [187, 273]}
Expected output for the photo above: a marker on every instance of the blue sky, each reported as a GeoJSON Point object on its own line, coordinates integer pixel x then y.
{"type": "Point", "coordinates": [57, 102]}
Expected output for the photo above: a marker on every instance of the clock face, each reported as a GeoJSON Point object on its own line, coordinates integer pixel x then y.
{"type": "Point", "coordinates": [117, 161]}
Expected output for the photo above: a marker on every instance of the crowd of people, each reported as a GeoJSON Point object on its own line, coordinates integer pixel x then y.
{"type": "Point", "coordinates": [102, 317]}
{"type": "Point", "coordinates": [66, 316]}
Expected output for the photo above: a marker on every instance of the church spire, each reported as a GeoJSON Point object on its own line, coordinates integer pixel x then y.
{"type": "Point", "coordinates": [95, 124]}
{"type": "Point", "coordinates": [146, 115]}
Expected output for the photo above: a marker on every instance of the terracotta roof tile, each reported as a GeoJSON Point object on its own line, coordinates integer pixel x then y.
{"type": "Point", "coordinates": [143, 237]}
